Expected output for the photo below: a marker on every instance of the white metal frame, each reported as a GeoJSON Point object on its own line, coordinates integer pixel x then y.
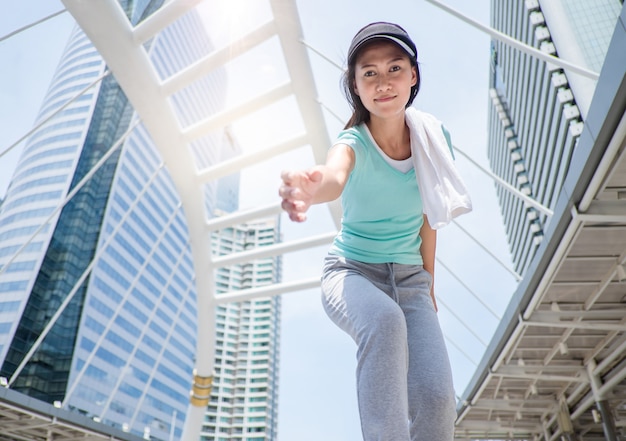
{"type": "Point", "coordinates": [121, 46]}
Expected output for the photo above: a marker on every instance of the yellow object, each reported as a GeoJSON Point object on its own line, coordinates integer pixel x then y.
{"type": "Point", "coordinates": [201, 390]}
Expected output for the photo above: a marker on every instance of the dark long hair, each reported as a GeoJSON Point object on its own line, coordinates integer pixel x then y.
{"type": "Point", "coordinates": [359, 113]}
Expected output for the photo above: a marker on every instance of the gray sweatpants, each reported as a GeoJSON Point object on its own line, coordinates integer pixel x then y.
{"type": "Point", "coordinates": [404, 380]}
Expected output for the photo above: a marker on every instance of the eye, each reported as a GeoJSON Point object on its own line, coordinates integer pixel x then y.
{"type": "Point", "coordinates": [369, 73]}
{"type": "Point", "coordinates": [394, 68]}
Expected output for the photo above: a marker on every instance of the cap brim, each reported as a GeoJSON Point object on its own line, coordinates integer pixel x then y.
{"type": "Point", "coordinates": [399, 42]}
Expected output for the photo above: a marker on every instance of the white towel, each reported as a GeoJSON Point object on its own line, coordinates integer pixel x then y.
{"type": "Point", "coordinates": [444, 195]}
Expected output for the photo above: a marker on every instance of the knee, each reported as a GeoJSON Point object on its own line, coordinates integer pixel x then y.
{"type": "Point", "coordinates": [434, 398]}
{"type": "Point", "coordinates": [444, 400]}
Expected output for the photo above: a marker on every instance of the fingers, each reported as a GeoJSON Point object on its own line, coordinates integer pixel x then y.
{"type": "Point", "coordinates": [294, 210]}
{"type": "Point", "coordinates": [291, 177]}
{"type": "Point", "coordinates": [285, 175]}
{"type": "Point", "coordinates": [290, 190]}
{"type": "Point", "coordinates": [285, 192]}
{"type": "Point", "coordinates": [295, 199]}
{"type": "Point", "coordinates": [290, 185]}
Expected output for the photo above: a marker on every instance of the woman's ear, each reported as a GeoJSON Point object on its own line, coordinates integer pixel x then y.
{"type": "Point", "coordinates": [414, 76]}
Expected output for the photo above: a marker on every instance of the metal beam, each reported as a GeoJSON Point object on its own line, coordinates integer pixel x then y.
{"type": "Point", "coordinates": [228, 116]}
{"type": "Point", "coordinates": [161, 18]}
{"type": "Point", "coordinates": [243, 216]}
{"type": "Point", "coordinates": [527, 405]}
{"type": "Point", "coordinates": [533, 374]}
{"type": "Point", "coordinates": [509, 41]}
{"type": "Point", "coordinates": [592, 326]}
{"type": "Point", "coordinates": [491, 427]}
{"type": "Point", "coordinates": [550, 317]}
{"type": "Point", "coordinates": [268, 291]}
{"type": "Point", "coordinates": [603, 212]}
{"type": "Point", "coordinates": [30, 25]}
{"type": "Point", "coordinates": [217, 59]}
{"type": "Point", "coordinates": [49, 117]}
{"type": "Point", "coordinates": [273, 250]}
{"type": "Point", "coordinates": [506, 186]}
{"type": "Point", "coordinates": [613, 153]}
{"type": "Point", "coordinates": [237, 163]}
{"type": "Point", "coordinates": [296, 54]}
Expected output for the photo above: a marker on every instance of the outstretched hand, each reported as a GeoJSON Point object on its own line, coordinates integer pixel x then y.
{"type": "Point", "coordinates": [298, 192]}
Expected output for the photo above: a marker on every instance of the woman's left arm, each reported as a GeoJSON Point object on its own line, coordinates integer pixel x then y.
{"type": "Point", "coordinates": [428, 248]}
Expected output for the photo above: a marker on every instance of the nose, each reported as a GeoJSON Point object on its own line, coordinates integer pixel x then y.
{"type": "Point", "coordinates": [383, 83]}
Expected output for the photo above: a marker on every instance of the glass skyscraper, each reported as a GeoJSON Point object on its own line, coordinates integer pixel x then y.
{"type": "Point", "coordinates": [97, 297]}
{"type": "Point", "coordinates": [244, 399]}
{"type": "Point", "coordinates": [537, 109]}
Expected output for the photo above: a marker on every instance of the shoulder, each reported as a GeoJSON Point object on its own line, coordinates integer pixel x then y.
{"type": "Point", "coordinates": [429, 120]}
{"type": "Point", "coordinates": [355, 137]}
{"type": "Point", "coordinates": [351, 134]}
{"type": "Point", "coordinates": [425, 117]}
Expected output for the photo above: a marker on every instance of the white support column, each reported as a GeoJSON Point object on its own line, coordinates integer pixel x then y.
{"type": "Point", "coordinates": [299, 66]}
{"type": "Point", "coordinates": [608, 421]}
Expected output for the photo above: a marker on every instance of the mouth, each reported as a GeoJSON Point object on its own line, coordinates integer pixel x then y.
{"type": "Point", "coordinates": [384, 99]}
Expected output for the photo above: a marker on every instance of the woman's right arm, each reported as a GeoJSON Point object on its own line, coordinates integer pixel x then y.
{"type": "Point", "coordinates": [322, 183]}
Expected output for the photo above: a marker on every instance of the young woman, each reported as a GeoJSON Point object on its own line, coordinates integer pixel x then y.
{"type": "Point", "coordinates": [377, 280]}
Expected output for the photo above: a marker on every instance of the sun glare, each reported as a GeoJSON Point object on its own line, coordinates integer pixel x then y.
{"type": "Point", "coordinates": [229, 20]}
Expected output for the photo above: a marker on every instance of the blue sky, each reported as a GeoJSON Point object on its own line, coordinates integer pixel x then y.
{"type": "Point", "coordinates": [317, 394]}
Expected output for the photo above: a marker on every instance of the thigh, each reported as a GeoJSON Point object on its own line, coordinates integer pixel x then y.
{"type": "Point", "coordinates": [428, 356]}
{"type": "Point", "coordinates": [427, 349]}
{"type": "Point", "coordinates": [353, 301]}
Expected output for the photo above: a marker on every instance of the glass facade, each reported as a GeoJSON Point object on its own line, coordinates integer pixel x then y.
{"type": "Point", "coordinates": [71, 249]}
{"type": "Point", "coordinates": [244, 399]}
{"type": "Point", "coordinates": [97, 299]}
{"type": "Point", "coordinates": [40, 182]}
{"type": "Point", "coordinates": [535, 117]}
{"type": "Point", "coordinates": [594, 23]}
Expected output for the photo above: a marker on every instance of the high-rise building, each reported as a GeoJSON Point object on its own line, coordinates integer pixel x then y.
{"type": "Point", "coordinates": [244, 400]}
{"type": "Point", "coordinates": [97, 295]}
{"type": "Point", "coordinates": [537, 109]}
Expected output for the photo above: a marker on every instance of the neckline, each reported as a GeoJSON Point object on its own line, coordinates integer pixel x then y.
{"type": "Point", "coordinates": [403, 166]}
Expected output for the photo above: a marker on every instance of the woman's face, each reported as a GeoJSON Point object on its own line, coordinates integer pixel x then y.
{"type": "Point", "coordinates": [383, 77]}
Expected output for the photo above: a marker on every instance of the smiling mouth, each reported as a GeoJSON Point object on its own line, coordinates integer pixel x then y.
{"type": "Point", "coordinates": [385, 98]}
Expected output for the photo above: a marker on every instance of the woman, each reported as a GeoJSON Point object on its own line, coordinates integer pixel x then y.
{"type": "Point", "coordinates": [377, 280]}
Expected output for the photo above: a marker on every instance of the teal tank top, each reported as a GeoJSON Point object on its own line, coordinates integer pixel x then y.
{"type": "Point", "coordinates": [382, 207]}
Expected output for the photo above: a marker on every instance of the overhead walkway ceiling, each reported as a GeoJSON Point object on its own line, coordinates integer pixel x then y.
{"type": "Point", "coordinates": [560, 347]}
{"type": "Point", "coordinates": [25, 419]}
